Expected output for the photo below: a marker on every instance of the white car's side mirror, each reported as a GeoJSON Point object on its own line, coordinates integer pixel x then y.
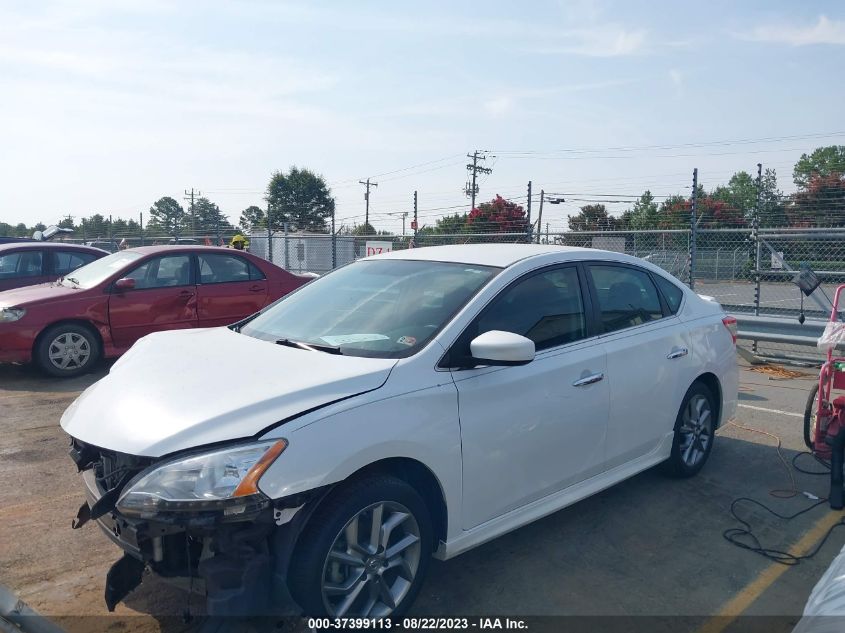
{"type": "Point", "coordinates": [501, 348]}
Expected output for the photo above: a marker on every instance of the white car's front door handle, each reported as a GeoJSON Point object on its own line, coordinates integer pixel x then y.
{"type": "Point", "coordinates": [588, 380]}
{"type": "Point", "coordinates": [678, 353]}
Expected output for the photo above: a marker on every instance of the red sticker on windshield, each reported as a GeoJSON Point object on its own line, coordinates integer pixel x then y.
{"type": "Point", "coordinates": [410, 341]}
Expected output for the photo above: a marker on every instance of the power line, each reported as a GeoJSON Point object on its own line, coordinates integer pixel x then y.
{"type": "Point", "coordinates": [623, 148]}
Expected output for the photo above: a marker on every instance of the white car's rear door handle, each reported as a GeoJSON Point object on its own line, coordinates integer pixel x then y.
{"type": "Point", "coordinates": [677, 353]}
{"type": "Point", "coordinates": [588, 380]}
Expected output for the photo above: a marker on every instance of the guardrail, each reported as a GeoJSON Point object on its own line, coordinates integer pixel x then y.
{"type": "Point", "coordinates": [778, 329]}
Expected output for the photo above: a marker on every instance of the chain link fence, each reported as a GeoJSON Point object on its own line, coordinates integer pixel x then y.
{"type": "Point", "coordinates": [747, 272]}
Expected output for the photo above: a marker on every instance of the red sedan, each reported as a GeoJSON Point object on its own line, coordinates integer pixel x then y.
{"type": "Point", "coordinates": [28, 263]}
{"type": "Point", "coordinates": [101, 309]}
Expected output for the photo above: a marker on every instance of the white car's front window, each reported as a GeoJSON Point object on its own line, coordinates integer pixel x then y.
{"type": "Point", "coordinates": [382, 308]}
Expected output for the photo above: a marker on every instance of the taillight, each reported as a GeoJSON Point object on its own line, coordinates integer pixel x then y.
{"type": "Point", "coordinates": [730, 323]}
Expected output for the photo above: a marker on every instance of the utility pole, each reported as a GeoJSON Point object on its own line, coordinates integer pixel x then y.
{"type": "Point", "coordinates": [367, 184]}
{"type": "Point", "coordinates": [540, 215]}
{"type": "Point", "coordinates": [189, 195]}
{"type": "Point", "coordinates": [692, 228]}
{"type": "Point", "coordinates": [403, 215]}
{"type": "Point", "coordinates": [475, 169]}
{"type": "Point", "coordinates": [141, 226]}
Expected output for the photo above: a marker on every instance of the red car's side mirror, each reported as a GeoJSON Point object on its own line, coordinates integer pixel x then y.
{"type": "Point", "coordinates": [127, 283]}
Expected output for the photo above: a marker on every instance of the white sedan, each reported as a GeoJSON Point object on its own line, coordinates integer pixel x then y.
{"type": "Point", "coordinates": [412, 404]}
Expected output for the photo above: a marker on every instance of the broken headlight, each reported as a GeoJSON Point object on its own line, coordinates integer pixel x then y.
{"type": "Point", "coordinates": [222, 480]}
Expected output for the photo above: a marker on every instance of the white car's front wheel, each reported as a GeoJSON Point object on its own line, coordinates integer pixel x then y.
{"type": "Point", "coordinates": [365, 551]}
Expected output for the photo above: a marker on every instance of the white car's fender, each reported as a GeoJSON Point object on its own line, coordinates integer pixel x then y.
{"type": "Point", "coordinates": [332, 445]}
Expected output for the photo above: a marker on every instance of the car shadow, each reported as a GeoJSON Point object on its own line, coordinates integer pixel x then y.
{"type": "Point", "coordinates": [654, 544]}
{"type": "Point", "coordinates": [29, 378]}
{"type": "Point", "coordinates": [744, 395]}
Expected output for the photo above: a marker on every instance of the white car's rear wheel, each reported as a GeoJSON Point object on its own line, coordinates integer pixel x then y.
{"type": "Point", "coordinates": [695, 429]}
{"type": "Point", "coordinates": [364, 552]}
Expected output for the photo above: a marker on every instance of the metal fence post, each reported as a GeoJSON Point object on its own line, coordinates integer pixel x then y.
{"type": "Point", "coordinates": [334, 243]}
{"type": "Point", "coordinates": [718, 250]}
{"type": "Point", "coordinates": [757, 246]}
{"type": "Point", "coordinates": [528, 227]}
{"type": "Point", "coordinates": [287, 258]}
{"type": "Point", "coordinates": [269, 235]}
{"type": "Point", "coordinates": [692, 243]}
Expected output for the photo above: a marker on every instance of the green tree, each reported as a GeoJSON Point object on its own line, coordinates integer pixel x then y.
{"type": "Point", "coordinates": [772, 202]}
{"type": "Point", "coordinates": [451, 224]}
{"type": "Point", "coordinates": [822, 203]}
{"type": "Point", "coordinates": [119, 228]}
{"type": "Point", "coordinates": [823, 161]}
{"type": "Point", "coordinates": [301, 198]}
{"type": "Point", "coordinates": [168, 216]}
{"type": "Point", "coordinates": [209, 218]}
{"type": "Point", "coordinates": [740, 194]}
{"type": "Point", "coordinates": [363, 229]}
{"type": "Point", "coordinates": [252, 217]}
{"type": "Point", "coordinates": [593, 217]}
{"type": "Point", "coordinates": [644, 214]}
{"type": "Point", "coordinates": [95, 226]}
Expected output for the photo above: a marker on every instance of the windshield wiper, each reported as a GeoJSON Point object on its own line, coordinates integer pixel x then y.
{"type": "Point", "coordinates": [312, 347]}
{"type": "Point", "coordinates": [72, 280]}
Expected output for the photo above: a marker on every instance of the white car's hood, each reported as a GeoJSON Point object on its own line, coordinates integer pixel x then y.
{"type": "Point", "coordinates": [180, 389]}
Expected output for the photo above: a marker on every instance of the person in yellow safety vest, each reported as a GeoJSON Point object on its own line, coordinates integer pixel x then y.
{"type": "Point", "coordinates": [239, 242]}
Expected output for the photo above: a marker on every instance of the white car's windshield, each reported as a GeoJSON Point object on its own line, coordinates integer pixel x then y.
{"type": "Point", "coordinates": [99, 270]}
{"type": "Point", "coordinates": [382, 308]}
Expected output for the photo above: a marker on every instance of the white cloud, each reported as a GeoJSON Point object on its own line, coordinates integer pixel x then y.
{"type": "Point", "coordinates": [498, 107]}
{"type": "Point", "coordinates": [677, 77]}
{"type": "Point", "coordinates": [599, 41]}
{"type": "Point", "coordinates": [825, 31]}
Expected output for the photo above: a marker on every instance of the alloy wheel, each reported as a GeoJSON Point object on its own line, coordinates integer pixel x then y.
{"type": "Point", "coordinates": [372, 562]}
{"type": "Point", "coordinates": [696, 430]}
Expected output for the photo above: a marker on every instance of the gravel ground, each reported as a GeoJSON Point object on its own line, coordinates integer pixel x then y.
{"type": "Point", "coordinates": [646, 546]}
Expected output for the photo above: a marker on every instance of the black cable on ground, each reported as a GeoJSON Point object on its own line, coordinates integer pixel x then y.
{"type": "Point", "coordinates": [744, 537]}
{"type": "Point", "coordinates": [818, 459]}
{"type": "Point", "coordinates": [752, 543]}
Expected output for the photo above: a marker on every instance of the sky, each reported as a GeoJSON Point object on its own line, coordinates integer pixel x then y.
{"type": "Point", "coordinates": [107, 105]}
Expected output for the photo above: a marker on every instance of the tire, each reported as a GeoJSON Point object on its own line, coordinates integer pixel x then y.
{"type": "Point", "coordinates": [80, 353]}
{"type": "Point", "coordinates": [809, 415]}
{"type": "Point", "coordinates": [327, 574]}
{"type": "Point", "coordinates": [687, 460]}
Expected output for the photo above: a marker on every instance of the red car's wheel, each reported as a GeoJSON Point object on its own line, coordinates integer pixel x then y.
{"type": "Point", "coordinates": [67, 349]}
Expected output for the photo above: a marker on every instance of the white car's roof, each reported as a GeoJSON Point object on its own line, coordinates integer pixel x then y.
{"type": "Point", "coordinates": [501, 255]}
